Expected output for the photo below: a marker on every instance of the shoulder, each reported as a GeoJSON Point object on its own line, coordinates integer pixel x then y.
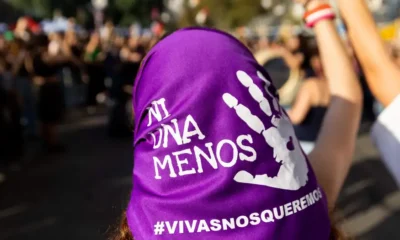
{"type": "Point", "coordinates": [310, 83]}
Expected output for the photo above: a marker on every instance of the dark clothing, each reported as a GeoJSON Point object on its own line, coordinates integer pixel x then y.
{"type": "Point", "coordinates": [11, 131]}
{"type": "Point", "coordinates": [76, 70]}
{"type": "Point", "coordinates": [44, 69]}
{"type": "Point", "coordinates": [113, 67]}
{"type": "Point", "coordinates": [51, 102]}
{"type": "Point", "coordinates": [368, 114]}
{"type": "Point", "coordinates": [120, 120]}
{"type": "Point", "coordinates": [96, 84]}
{"type": "Point", "coordinates": [51, 96]}
{"type": "Point", "coordinates": [130, 69]}
{"type": "Point", "coordinates": [308, 130]}
{"type": "Point", "coordinates": [97, 74]}
{"type": "Point", "coordinates": [23, 72]}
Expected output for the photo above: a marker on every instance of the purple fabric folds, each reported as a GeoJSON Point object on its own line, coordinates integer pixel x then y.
{"type": "Point", "coordinates": [215, 156]}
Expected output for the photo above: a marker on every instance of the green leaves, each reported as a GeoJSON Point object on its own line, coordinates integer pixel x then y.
{"type": "Point", "coordinates": [225, 14]}
{"type": "Point", "coordinates": [124, 5]}
{"type": "Point", "coordinates": [123, 12]}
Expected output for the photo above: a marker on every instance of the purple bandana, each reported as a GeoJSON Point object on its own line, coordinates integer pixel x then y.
{"type": "Point", "coordinates": [215, 155]}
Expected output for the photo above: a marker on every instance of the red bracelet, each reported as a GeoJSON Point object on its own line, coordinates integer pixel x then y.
{"type": "Point", "coordinates": [322, 12]}
{"type": "Point", "coordinates": [311, 24]}
{"type": "Point", "coordinates": [319, 8]}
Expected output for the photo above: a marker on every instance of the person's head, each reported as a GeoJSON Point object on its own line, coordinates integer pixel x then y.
{"type": "Point", "coordinates": [71, 24]}
{"type": "Point", "coordinates": [316, 64]}
{"type": "Point", "coordinates": [292, 43]}
{"type": "Point", "coordinates": [57, 13]}
{"type": "Point", "coordinates": [22, 24]}
{"type": "Point", "coordinates": [133, 41]}
{"type": "Point", "coordinates": [107, 31]}
{"type": "Point", "coordinates": [263, 43]}
{"type": "Point", "coordinates": [109, 24]}
{"type": "Point", "coordinates": [215, 156]}
{"type": "Point", "coordinates": [119, 41]}
{"type": "Point", "coordinates": [289, 37]}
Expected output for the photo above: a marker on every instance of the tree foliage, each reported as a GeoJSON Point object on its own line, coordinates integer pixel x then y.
{"type": "Point", "coordinates": [224, 14]}
{"type": "Point", "coordinates": [121, 11]}
{"type": "Point", "coordinates": [229, 14]}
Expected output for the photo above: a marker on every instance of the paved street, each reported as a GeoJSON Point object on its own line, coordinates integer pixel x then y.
{"type": "Point", "coordinates": [79, 195]}
{"type": "Point", "coordinates": [76, 196]}
{"type": "Point", "coordinates": [370, 199]}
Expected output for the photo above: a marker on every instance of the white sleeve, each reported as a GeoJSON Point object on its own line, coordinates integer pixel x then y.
{"type": "Point", "coordinates": [386, 135]}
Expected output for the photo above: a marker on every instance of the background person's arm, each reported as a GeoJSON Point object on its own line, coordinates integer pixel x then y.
{"type": "Point", "coordinates": [333, 153]}
{"type": "Point", "coordinates": [294, 61]}
{"type": "Point", "coordinates": [383, 76]}
{"type": "Point", "coordinates": [301, 105]}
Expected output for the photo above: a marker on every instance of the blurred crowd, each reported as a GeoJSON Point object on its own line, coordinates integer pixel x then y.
{"type": "Point", "coordinates": [44, 75]}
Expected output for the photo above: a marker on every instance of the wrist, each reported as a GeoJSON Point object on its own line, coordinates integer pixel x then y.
{"type": "Point", "coordinates": [316, 11]}
{"type": "Point", "coordinates": [312, 4]}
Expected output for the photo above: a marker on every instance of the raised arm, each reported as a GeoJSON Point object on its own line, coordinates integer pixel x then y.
{"type": "Point", "coordinates": [332, 156]}
{"type": "Point", "coordinates": [383, 76]}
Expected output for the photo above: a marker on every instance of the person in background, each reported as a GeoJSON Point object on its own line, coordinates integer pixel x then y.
{"type": "Point", "coordinates": [55, 44]}
{"type": "Point", "coordinates": [117, 124]}
{"type": "Point", "coordinates": [308, 49]}
{"type": "Point", "coordinates": [11, 137]}
{"type": "Point", "coordinates": [11, 131]}
{"type": "Point", "coordinates": [22, 31]}
{"type": "Point", "coordinates": [94, 58]}
{"type": "Point", "coordinates": [73, 72]}
{"type": "Point", "coordinates": [153, 41]}
{"type": "Point", "coordinates": [5, 76]}
{"type": "Point", "coordinates": [22, 74]}
{"type": "Point", "coordinates": [147, 40]}
{"type": "Point", "coordinates": [262, 44]}
{"type": "Point", "coordinates": [309, 108]}
{"type": "Point", "coordinates": [51, 104]}
{"type": "Point", "coordinates": [113, 60]}
{"type": "Point", "coordinates": [290, 49]}
{"type": "Point", "coordinates": [383, 78]}
{"type": "Point", "coordinates": [107, 33]}
{"type": "Point", "coordinates": [130, 56]}
{"type": "Point", "coordinates": [71, 25]}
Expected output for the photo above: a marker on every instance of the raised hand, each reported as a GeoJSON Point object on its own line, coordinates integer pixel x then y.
{"type": "Point", "coordinates": [293, 173]}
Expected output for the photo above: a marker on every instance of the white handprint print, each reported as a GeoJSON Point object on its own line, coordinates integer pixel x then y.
{"type": "Point", "coordinates": [293, 173]}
